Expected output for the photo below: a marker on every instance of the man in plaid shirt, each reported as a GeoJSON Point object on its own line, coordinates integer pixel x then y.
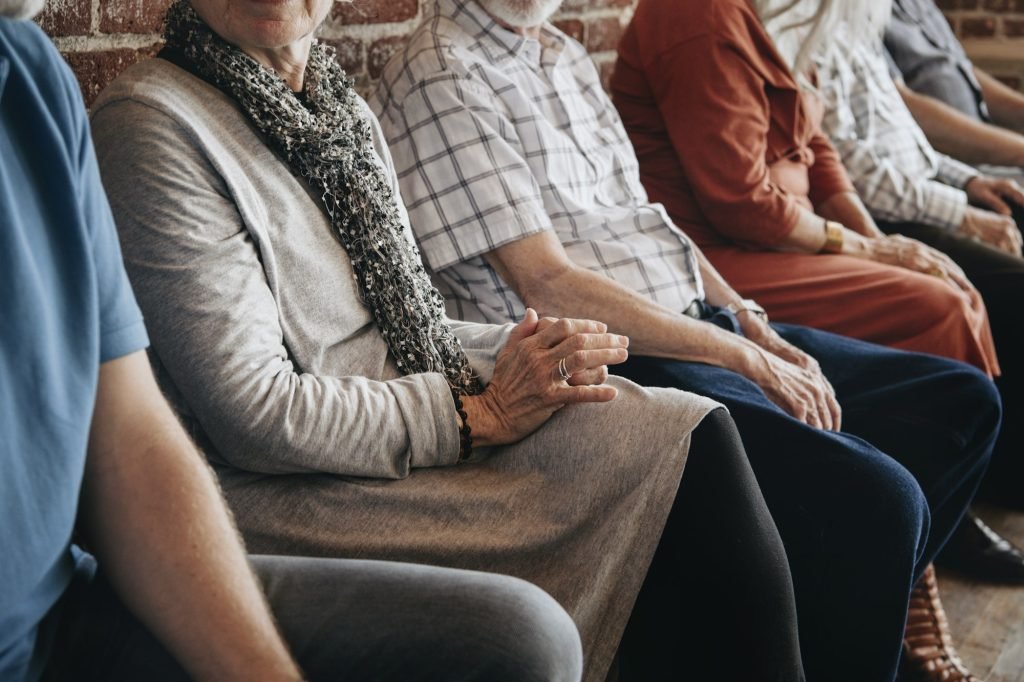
{"type": "Point", "coordinates": [523, 190]}
{"type": "Point", "coordinates": [901, 178]}
{"type": "Point", "coordinates": [916, 191]}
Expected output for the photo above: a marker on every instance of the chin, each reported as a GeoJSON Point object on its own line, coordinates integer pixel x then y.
{"type": "Point", "coordinates": [521, 13]}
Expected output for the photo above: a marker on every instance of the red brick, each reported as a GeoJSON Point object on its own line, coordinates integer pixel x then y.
{"type": "Point", "coordinates": [374, 11]}
{"type": "Point", "coordinates": [66, 17]}
{"type": "Point", "coordinates": [349, 53]}
{"type": "Point", "coordinates": [132, 16]}
{"type": "Point", "coordinates": [603, 34]}
{"type": "Point", "coordinates": [380, 52]}
{"type": "Point", "coordinates": [977, 27]}
{"type": "Point", "coordinates": [95, 70]}
{"type": "Point", "coordinates": [1004, 5]}
{"type": "Point", "coordinates": [1013, 28]}
{"type": "Point", "coordinates": [571, 27]}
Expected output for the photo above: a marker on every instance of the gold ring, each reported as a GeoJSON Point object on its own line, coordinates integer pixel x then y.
{"type": "Point", "coordinates": [563, 371]}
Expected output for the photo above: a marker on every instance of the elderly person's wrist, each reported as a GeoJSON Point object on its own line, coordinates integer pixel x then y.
{"type": "Point", "coordinates": [484, 419]}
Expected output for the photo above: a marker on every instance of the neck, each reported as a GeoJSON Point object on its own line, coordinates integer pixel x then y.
{"type": "Point", "coordinates": [288, 62]}
{"type": "Point", "coordinates": [531, 32]}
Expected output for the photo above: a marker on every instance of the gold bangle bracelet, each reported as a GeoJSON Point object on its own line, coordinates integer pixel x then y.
{"type": "Point", "coordinates": [833, 237]}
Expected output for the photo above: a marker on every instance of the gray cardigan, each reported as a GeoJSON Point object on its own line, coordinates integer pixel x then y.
{"type": "Point", "coordinates": [294, 376]}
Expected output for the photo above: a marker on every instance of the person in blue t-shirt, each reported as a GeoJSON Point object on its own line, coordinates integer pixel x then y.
{"type": "Point", "coordinates": [90, 452]}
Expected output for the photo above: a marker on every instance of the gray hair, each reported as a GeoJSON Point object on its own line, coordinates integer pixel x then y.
{"type": "Point", "coordinates": [20, 9]}
{"type": "Point", "coordinates": [800, 28]}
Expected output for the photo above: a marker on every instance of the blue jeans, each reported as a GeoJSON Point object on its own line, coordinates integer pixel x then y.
{"type": "Point", "coordinates": [343, 620]}
{"type": "Point", "coordinates": [861, 512]}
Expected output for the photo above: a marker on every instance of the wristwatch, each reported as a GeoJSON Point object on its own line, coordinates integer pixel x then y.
{"type": "Point", "coordinates": [833, 237]}
{"type": "Point", "coordinates": [747, 305]}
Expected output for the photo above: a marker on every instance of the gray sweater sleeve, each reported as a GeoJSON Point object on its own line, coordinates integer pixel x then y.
{"type": "Point", "coordinates": [215, 327]}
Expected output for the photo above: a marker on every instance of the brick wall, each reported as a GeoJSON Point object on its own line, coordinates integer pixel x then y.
{"type": "Point", "coordinates": [100, 38]}
{"type": "Point", "coordinates": [993, 34]}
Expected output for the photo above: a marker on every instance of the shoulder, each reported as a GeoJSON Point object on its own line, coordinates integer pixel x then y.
{"type": "Point", "coordinates": [438, 50]}
{"type": "Point", "coordinates": [166, 88]}
{"type": "Point", "coordinates": [44, 78]}
{"type": "Point", "coordinates": [173, 113]}
{"type": "Point", "coordinates": [664, 24]}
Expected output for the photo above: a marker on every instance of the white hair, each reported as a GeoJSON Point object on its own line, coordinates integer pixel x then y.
{"type": "Point", "coordinates": [521, 13]}
{"type": "Point", "coordinates": [20, 9]}
{"type": "Point", "coordinates": [801, 28]}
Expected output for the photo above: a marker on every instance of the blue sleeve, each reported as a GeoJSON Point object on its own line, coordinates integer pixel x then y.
{"type": "Point", "coordinates": [121, 328]}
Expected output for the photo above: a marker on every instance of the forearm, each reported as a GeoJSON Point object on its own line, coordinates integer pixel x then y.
{"type": "Point", "coordinates": [962, 137]}
{"type": "Point", "coordinates": [653, 329]}
{"type": "Point", "coordinates": [847, 208]}
{"type": "Point", "coordinates": [1005, 104]}
{"type": "Point", "coordinates": [156, 521]}
{"type": "Point", "coordinates": [808, 236]}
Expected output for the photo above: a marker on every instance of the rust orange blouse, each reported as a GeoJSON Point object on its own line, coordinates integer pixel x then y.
{"type": "Point", "coordinates": [725, 137]}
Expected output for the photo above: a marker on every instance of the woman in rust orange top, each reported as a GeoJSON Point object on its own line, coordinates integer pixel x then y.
{"type": "Point", "coordinates": [731, 144]}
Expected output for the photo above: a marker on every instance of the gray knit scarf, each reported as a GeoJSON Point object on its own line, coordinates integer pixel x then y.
{"type": "Point", "coordinates": [327, 142]}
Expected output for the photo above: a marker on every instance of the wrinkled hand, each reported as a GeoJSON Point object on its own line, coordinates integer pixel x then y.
{"type": "Point", "coordinates": [757, 329]}
{"type": "Point", "coordinates": [994, 193]}
{"type": "Point", "coordinates": [913, 255]}
{"type": "Point", "coordinates": [791, 378]}
{"type": "Point", "coordinates": [992, 228]}
{"type": "Point", "coordinates": [527, 389]}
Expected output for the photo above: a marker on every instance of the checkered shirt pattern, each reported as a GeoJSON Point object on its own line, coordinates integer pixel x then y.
{"type": "Point", "coordinates": [898, 174]}
{"type": "Point", "coordinates": [496, 137]}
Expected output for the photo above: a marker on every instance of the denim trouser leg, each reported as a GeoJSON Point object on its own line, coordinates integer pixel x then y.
{"type": "Point", "coordinates": [347, 620]}
{"type": "Point", "coordinates": [862, 512]}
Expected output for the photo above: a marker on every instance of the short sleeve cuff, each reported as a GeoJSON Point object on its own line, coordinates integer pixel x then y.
{"type": "Point", "coordinates": [123, 341]}
{"type": "Point", "coordinates": [459, 242]}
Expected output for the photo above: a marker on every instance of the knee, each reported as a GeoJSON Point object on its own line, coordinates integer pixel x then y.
{"type": "Point", "coordinates": [896, 518]}
{"type": "Point", "coordinates": [534, 640]}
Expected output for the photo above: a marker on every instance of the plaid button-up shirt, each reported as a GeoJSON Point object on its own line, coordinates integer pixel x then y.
{"type": "Point", "coordinates": [898, 174]}
{"type": "Point", "coordinates": [496, 137]}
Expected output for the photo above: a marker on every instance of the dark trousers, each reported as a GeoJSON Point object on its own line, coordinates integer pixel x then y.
{"type": "Point", "coordinates": [719, 582]}
{"type": "Point", "coordinates": [343, 620]}
{"type": "Point", "coordinates": [1000, 279]}
{"type": "Point", "coordinates": [861, 512]}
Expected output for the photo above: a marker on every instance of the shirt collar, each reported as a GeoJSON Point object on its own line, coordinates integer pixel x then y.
{"type": "Point", "coordinates": [500, 41]}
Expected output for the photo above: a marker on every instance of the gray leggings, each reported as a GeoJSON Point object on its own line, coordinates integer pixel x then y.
{"type": "Point", "coordinates": [344, 620]}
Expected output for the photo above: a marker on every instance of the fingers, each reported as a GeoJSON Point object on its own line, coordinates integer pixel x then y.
{"type": "Point", "coordinates": [994, 201]}
{"type": "Point", "coordinates": [586, 394]}
{"type": "Point", "coordinates": [527, 327]}
{"type": "Point", "coordinates": [1013, 192]}
{"type": "Point", "coordinates": [583, 360]}
{"type": "Point", "coordinates": [589, 377]}
{"type": "Point", "coordinates": [589, 342]}
{"type": "Point", "coordinates": [554, 333]}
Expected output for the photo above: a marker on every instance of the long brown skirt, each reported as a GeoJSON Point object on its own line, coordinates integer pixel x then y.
{"type": "Point", "coordinates": [864, 300]}
{"type": "Point", "coordinates": [577, 508]}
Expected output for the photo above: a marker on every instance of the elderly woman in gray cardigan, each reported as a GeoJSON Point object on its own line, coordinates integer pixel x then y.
{"type": "Point", "coordinates": [299, 336]}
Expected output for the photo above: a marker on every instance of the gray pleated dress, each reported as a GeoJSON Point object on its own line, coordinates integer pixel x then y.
{"type": "Point", "coordinates": [262, 344]}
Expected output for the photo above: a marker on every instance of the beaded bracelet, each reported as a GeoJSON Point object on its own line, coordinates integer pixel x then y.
{"type": "Point", "coordinates": [465, 433]}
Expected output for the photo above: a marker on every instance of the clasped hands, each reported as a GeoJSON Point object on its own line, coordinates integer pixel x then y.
{"type": "Point", "coordinates": [527, 387]}
{"type": "Point", "coordinates": [789, 377]}
{"type": "Point", "coordinates": [996, 225]}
